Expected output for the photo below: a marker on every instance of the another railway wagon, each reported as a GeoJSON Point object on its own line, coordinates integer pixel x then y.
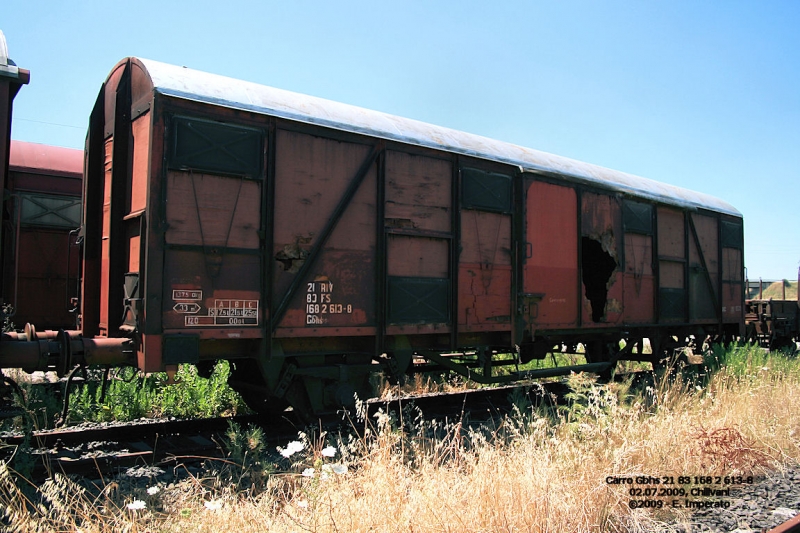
{"type": "Point", "coordinates": [42, 261]}
{"type": "Point", "coordinates": [315, 243]}
{"type": "Point", "coordinates": [771, 322]}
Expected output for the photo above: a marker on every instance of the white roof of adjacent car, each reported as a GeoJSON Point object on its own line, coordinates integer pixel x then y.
{"type": "Point", "coordinates": [189, 84]}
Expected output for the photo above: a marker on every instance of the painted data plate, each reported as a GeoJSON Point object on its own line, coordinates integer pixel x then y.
{"type": "Point", "coordinates": [227, 313]}
{"type": "Point", "coordinates": [186, 308]}
{"type": "Point", "coordinates": [180, 294]}
{"type": "Point", "coordinates": [320, 305]}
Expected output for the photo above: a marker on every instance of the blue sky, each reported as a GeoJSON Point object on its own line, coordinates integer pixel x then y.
{"type": "Point", "coordinates": [702, 95]}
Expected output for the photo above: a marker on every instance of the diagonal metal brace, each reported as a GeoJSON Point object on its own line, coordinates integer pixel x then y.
{"type": "Point", "coordinates": [704, 266]}
{"type": "Point", "coordinates": [316, 250]}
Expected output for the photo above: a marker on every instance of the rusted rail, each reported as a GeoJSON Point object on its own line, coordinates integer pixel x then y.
{"type": "Point", "coordinates": [790, 526]}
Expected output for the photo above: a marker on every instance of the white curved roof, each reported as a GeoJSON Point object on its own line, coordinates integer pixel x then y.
{"type": "Point", "coordinates": [189, 84]}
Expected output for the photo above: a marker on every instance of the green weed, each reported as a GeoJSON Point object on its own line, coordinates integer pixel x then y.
{"type": "Point", "coordinates": [130, 395]}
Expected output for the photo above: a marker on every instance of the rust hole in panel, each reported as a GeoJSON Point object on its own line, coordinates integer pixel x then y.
{"type": "Point", "coordinates": [598, 267]}
{"type": "Point", "coordinates": [292, 256]}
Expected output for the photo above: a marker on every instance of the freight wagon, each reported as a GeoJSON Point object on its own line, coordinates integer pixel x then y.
{"type": "Point", "coordinates": [773, 323]}
{"type": "Point", "coordinates": [315, 243]}
{"type": "Point", "coordinates": [41, 259]}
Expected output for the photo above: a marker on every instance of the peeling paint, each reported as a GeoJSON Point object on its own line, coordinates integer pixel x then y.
{"type": "Point", "coordinates": [613, 306]}
{"type": "Point", "coordinates": [292, 256]}
{"type": "Point", "coordinates": [607, 242]}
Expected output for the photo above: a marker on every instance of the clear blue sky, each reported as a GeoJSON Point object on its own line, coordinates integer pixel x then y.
{"type": "Point", "coordinates": [700, 94]}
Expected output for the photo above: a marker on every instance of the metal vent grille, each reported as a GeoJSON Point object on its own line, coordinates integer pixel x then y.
{"type": "Point", "coordinates": [488, 191]}
{"type": "Point", "coordinates": [637, 217]}
{"type": "Point", "coordinates": [418, 300]}
{"type": "Point", "coordinates": [731, 235]}
{"type": "Point", "coordinates": [49, 210]}
{"type": "Point", "coordinates": [215, 147]}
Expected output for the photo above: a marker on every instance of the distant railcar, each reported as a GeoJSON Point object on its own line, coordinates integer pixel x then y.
{"type": "Point", "coordinates": [42, 261]}
{"type": "Point", "coordinates": [314, 243]}
{"type": "Point", "coordinates": [771, 322]}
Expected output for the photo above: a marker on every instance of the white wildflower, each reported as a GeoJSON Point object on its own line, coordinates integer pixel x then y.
{"type": "Point", "coordinates": [328, 451]}
{"type": "Point", "coordinates": [339, 469]}
{"type": "Point", "coordinates": [152, 491]}
{"type": "Point", "coordinates": [292, 448]}
{"type": "Point", "coordinates": [308, 472]}
{"type": "Point", "coordinates": [303, 504]}
{"type": "Point", "coordinates": [137, 505]}
{"type": "Point", "coordinates": [213, 505]}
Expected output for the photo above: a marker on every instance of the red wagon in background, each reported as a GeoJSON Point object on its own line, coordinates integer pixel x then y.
{"type": "Point", "coordinates": [42, 261]}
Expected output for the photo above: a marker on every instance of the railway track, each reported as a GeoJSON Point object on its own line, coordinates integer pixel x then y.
{"type": "Point", "coordinates": [89, 450]}
{"type": "Point", "coordinates": [156, 446]}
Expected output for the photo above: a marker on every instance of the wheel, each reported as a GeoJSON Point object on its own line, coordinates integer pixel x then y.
{"type": "Point", "coordinates": [246, 379]}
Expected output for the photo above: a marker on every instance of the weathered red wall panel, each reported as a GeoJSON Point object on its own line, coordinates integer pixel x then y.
{"type": "Point", "coordinates": [42, 279]}
{"type": "Point", "coordinates": [484, 278]}
{"type": "Point", "coordinates": [134, 250]}
{"type": "Point", "coordinates": [639, 284]}
{"type": "Point", "coordinates": [209, 210]}
{"type": "Point", "coordinates": [418, 192]}
{"type": "Point", "coordinates": [218, 285]}
{"type": "Point", "coordinates": [671, 249]}
{"type": "Point", "coordinates": [671, 237]}
{"type": "Point", "coordinates": [139, 167]}
{"type": "Point", "coordinates": [732, 284]}
{"type": "Point", "coordinates": [551, 230]}
{"type": "Point", "coordinates": [703, 267]}
{"type": "Point", "coordinates": [311, 177]}
{"type": "Point", "coordinates": [484, 300]}
{"type": "Point", "coordinates": [211, 292]}
{"type": "Point", "coordinates": [105, 256]}
{"type": "Point", "coordinates": [422, 257]}
{"type": "Point", "coordinates": [339, 291]}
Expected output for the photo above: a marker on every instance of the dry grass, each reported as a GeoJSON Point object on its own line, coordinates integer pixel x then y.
{"type": "Point", "coordinates": [541, 470]}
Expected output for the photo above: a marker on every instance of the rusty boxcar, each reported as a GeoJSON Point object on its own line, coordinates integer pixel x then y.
{"type": "Point", "coordinates": [42, 261]}
{"type": "Point", "coordinates": [315, 243]}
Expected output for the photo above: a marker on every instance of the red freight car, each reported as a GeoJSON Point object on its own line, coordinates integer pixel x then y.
{"type": "Point", "coordinates": [41, 269]}
{"type": "Point", "coordinates": [313, 241]}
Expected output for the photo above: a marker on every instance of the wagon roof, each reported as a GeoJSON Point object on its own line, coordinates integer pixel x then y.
{"type": "Point", "coordinates": [43, 158]}
{"type": "Point", "coordinates": [189, 84]}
